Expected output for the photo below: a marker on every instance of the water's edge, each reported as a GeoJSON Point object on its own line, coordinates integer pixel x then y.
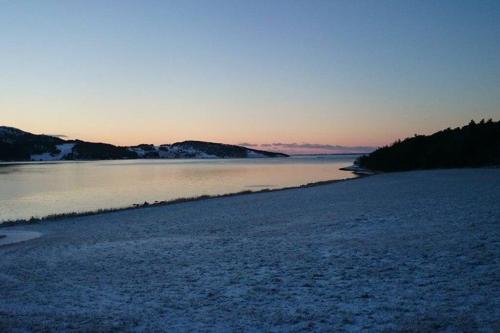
{"type": "Point", "coordinates": [55, 217]}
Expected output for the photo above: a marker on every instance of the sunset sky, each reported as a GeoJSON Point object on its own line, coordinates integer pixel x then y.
{"type": "Point", "coordinates": [317, 73]}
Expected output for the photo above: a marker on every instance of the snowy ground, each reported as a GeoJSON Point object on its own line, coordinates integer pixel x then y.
{"type": "Point", "coordinates": [415, 251]}
{"type": "Point", "coordinates": [15, 236]}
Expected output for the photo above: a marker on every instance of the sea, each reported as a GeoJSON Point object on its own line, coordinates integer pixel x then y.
{"type": "Point", "coordinates": [35, 189]}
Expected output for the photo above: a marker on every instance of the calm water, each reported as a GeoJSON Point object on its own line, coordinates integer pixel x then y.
{"type": "Point", "coordinates": [28, 190]}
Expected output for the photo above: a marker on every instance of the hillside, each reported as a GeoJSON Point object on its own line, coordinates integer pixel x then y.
{"type": "Point", "coordinates": [473, 145]}
{"type": "Point", "coordinates": [18, 145]}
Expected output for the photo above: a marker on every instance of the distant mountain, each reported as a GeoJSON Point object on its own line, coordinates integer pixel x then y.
{"type": "Point", "coordinates": [17, 145]}
{"type": "Point", "coordinates": [473, 145]}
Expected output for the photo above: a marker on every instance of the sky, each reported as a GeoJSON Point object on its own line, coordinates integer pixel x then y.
{"type": "Point", "coordinates": [306, 75]}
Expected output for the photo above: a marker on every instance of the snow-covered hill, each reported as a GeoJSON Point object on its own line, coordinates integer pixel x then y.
{"type": "Point", "coordinates": [199, 149]}
{"type": "Point", "coordinates": [17, 145]}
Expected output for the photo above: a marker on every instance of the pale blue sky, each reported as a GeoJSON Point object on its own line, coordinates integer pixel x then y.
{"type": "Point", "coordinates": [321, 72]}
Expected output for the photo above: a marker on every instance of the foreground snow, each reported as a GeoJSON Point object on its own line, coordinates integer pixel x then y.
{"type": "Point", "coordinates": [416, 251]}
{"type": "Point", "coordinates": [15, 236]}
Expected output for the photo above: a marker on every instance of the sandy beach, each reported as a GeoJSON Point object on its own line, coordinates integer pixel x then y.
{"type": "Point", "coordinates": [413, 251]}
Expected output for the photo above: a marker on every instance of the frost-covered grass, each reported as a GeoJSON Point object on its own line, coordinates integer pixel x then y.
{"type": "Point", "coordinates": [16, 236]}
{"type": "Point", "coordinates": [416, 251]}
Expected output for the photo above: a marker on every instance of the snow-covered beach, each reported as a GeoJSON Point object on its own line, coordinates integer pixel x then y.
{"type": "Point", "coordinates": [415, 251]}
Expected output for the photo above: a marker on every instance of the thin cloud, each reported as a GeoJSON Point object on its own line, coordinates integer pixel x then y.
{"type": "Point", "coordinates": [61, 136]}
{"type": "Point", "coordinates": [322, 146]}
{"type": "Point", "coordinates": [246, 144]}
{"type": "Point", "coordinates": [310, 146]}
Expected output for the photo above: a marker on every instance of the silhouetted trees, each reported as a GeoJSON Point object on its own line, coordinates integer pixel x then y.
{"type": "Point", "coordinates": [473, 145]}
{"type": "Point", "coordinates": [100, 151]}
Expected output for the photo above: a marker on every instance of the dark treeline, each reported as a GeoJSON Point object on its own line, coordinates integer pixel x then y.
{"type": "Point", "coordinates": [473, 145]}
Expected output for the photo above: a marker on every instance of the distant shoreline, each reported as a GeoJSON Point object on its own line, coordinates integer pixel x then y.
{"type": "Point", "coordinates": [5, 163]}
{"type": "Point", "coordinates": [138, 159]}
{"type": "Point", "coordinates": [60, 216]}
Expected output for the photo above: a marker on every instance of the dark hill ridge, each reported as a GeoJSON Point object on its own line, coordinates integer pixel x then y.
{"type": "Point", "coordinates": [473, 145]}
{"type": "Point", "coordinates": [17, 145]}
{"type": "Point", "coordinates": [218, 149]}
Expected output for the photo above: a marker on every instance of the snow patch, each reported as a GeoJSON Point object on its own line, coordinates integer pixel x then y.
{"type": "Point", "coordinates": [16, 236]}
{"type": "Point", "coordinates": [139, 151]}
{"type": "Point", "coordinates": [187, 151]}
{"type": "Point", "coordinates": [64, 150]}
{"type": "Point", "coordinates": [254, 154]}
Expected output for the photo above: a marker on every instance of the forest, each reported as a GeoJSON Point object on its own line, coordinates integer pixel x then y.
{"type": "Point", "coordinates": [473, 145]}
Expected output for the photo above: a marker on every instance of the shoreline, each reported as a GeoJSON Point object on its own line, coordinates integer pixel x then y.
{"type": "Point", "coordinates": [10, 163]}
{"type": "Point", "coordinates": [403, 251]}
{"type": "Point", "coordinates": [60, 216]}
{"type": "Point", "coordinates": [16, 236]}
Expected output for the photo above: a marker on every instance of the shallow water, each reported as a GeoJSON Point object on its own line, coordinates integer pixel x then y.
{"type": "Point", "coordinates": [38, 190]}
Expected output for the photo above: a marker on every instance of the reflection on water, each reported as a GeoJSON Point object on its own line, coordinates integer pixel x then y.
{"type": "Point", "coordinates": [34, 189]}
